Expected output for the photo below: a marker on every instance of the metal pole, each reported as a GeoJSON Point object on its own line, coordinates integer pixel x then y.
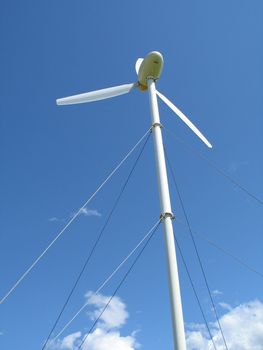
{"type": "Point", "coordinates": [167, 216]}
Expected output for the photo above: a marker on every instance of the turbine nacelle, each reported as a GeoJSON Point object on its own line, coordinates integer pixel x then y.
{"type": "Point", "coordinates": [149, 67]}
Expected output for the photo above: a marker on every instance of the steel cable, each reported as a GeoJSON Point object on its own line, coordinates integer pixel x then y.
{"type": "Point", "coordinates": [118, 287]}
{"type": "Point", "coordinates": [195, 292]}
{"type": "Point", "coordinates": [21, 278]}
{"type": "Point", "coordinates": [214, 166]}
{"type": "Point", "coordinates": [196, 251]}
{"type": "Point", "coordinates": [96, 242]}
{"type": "Point", "coordinates": [223, 250]}
{"type": "Point", "coordinates": [106, 281]}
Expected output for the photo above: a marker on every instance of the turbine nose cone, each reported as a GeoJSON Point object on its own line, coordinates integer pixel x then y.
{"type": "Point", "coordinates": [156, 54]}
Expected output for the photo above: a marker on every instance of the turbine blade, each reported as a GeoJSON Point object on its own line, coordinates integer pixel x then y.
{"type": "Point", "coordinates": [138, 65]}
{"type": "Point", "coordinates": [183, 117]}
{"type": "Point", "coordinates": [96, 95]}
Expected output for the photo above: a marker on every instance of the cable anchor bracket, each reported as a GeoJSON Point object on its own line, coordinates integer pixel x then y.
{"type": "Point", "coordinates": [163, 216]}
{"type": "Point", "coordinates": [155, 125]}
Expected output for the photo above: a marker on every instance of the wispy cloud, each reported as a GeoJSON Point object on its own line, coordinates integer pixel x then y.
{"type": "Point", "coordinates": [55, 219]}
{"type": "Point", "coordinates": [89, 212]}
{"type": "Point", "coordinates": [83, 211]}
{"type": "Point", "coordinates": [217, 292]}
{"type": "Point", "coordinates": [107, 334]}
{"type": "Point", "coordinates": [242, 327]}
{"type": "Point", "coordinates": [234, 166]}
{"type": "Point", "coordinates": [225, 306]}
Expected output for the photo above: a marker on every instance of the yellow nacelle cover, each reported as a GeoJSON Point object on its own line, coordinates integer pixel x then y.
{"type": "Point", "coordinates": [151, 67]}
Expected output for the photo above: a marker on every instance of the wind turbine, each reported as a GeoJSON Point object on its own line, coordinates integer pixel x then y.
{"type": "Point", "coordinates": [148, 71]}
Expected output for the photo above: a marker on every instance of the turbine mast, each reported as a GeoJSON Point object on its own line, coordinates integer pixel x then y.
{"type": "Point", "coordinates": [167, 217]}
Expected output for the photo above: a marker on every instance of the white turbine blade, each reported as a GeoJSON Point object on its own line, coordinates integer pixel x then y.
{"type": "Point", "coordinates": [138, 64]}
{"type": "Point", "coordinates": [96, 95]}
{"type": "Point", "coordinates": [184, 118]}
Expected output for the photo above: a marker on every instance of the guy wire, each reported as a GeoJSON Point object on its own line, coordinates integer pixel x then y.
{"type": "Point", "coordinates": [96, 243]}
{"type": "Point", "coordinates": [197, 253]}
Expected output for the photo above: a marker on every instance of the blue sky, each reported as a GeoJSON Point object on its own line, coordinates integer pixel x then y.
{"type": "Point", "coordinates": [53, 158]}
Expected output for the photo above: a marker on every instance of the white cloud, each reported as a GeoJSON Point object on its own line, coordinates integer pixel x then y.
{"type": "Point", "coordinates": [115, 316]}
{"type": "Point", "coordinates": [242, 327]}
{"type": "Point", "coordinates": [89, 212]}
{"type": "Point", "coordinates": [107, 334]}
{"type": "Point", "coordinates": [225, 306]}
{"type": "Point", "coordinates": [234, 166]}
{"type": "Point", "coordinates": [217, 292]}
{"type": "Point", "coordinates": [84, 211]}
{"type": "Point", "coordinates": [103, 340]}
{"type": "Point", "coordinates": [54, 219]}
{"type": "Point", "coordinates": [69, 342]}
